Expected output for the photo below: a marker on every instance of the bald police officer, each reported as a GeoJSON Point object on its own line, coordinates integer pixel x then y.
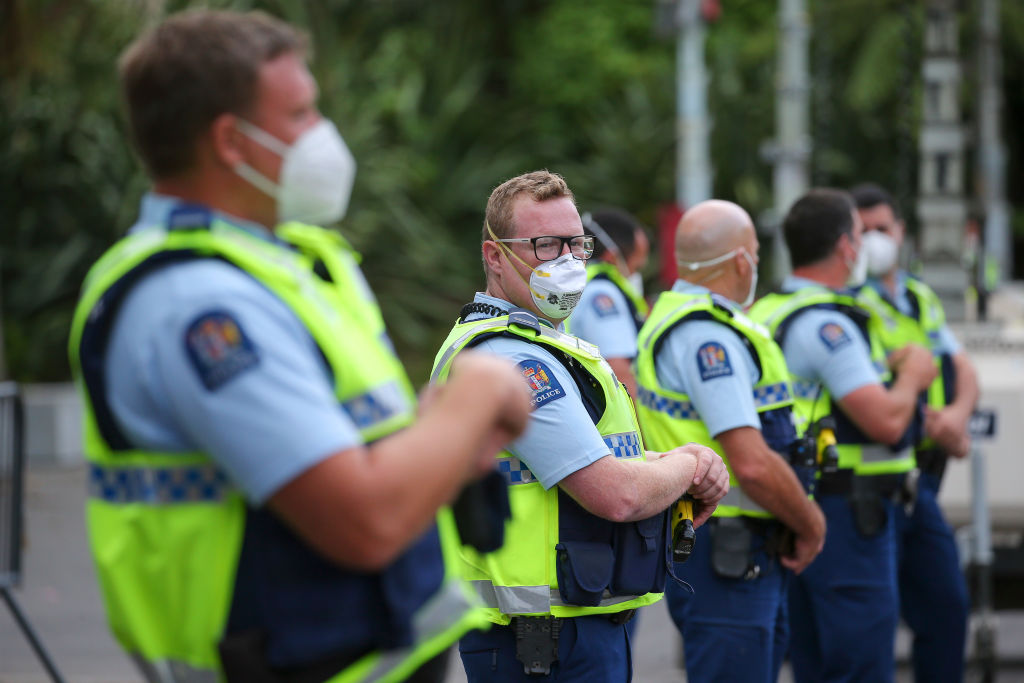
{"type": "Point", "coordinates": [709, 374]}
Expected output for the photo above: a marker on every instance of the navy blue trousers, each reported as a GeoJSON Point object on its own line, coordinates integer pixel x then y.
{"type": "Point", "coordinates": [733, 629]}
{"type": "Point", "coordinates": [933, 591]}
{"type": "Point", "coordinates": [590, 648]}
{"type": "Point", "coordinates": [843, 607]}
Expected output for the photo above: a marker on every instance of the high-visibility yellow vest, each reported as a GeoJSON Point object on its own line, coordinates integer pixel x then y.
{"type": "Point", "coordinates": [166, 529]}
{"type": "Point", "coordinates": [669, 419]}
{"type": "Point", "coordinates": [550, 533]}
{"type": "Point", "coordinates": [812, 400]}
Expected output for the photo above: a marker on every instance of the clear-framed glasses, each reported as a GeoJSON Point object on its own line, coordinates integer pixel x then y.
{"type": "Point", "coordinates": [549, 247]}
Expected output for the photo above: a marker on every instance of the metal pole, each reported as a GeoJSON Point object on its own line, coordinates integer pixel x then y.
{"type": "Point", "coordinates": [985, 628]}
{"type": "Point", "coordinates": [991, 151]}
{"type": "Point", "coordinates": [792, 106]}
{"type": "Point", "coordinates": [693, 128]}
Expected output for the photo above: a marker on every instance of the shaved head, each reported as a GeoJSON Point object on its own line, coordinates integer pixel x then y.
{"type": "Point", "coordinates": [712, 228]}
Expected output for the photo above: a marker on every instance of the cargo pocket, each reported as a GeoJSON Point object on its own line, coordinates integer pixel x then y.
{"type": "Point", "coordinates": [731, 540]}
{"type": "Point", "coordinates": [640, 565]}
{"type": "Point", "coordinates": [584, 570]}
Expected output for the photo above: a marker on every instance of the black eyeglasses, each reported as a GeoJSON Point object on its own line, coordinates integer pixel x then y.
{"type": "Point", "coordinates": [549, 247]}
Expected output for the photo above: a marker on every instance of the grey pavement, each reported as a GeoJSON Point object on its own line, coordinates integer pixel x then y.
{"type": "Point", "coordinates": [59, 595]}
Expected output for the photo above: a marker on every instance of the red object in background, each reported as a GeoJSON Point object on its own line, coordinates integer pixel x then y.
{"type": "Point", "coordinates": [711, 10]}
{"type": "Point", "coordinates": [668, 219]}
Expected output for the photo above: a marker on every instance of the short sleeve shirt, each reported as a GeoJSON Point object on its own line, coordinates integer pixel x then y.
{"type": "Point", "coordinates": [561, 437]}
{"type": "Point", "coordinates": [603, 317]}
{"type": "Point", "coordinates": [203, 357]}
{"type": "Point", "coordinates": [708, 362]}
{"type": "Point", "coordinates": [827, 347]}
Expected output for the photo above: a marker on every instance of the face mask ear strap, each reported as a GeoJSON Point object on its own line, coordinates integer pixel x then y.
{"type": "Point", "coordinates": [609, 244]}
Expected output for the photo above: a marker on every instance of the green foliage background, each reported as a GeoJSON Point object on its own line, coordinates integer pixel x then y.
{"type": "Point", "coordinates": [440, 102]}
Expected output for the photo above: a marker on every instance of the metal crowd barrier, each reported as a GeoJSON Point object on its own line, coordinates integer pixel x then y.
{"type": "Point", "coordinates": [12, 464]}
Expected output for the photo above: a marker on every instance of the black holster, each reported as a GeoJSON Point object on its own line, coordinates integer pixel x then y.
{"type": "Point", "coordinates": [731, 548]}
{"type": "Point", "coordinates": [868, 506]}
{"type": "Point", "coordinates": [537, 643]}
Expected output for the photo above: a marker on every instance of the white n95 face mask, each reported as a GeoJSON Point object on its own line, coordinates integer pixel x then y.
{"type": "Point", "coordinates": [317, 172]}
{"type": "Point", "coordinates": [557, 285]}
{"type": "Point", "coordinates": [882, 252]}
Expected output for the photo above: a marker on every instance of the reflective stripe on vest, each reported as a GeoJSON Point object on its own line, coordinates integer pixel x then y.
{"type": "Point", "coordinates": [205, 483]}
{"type": "Point", "coordinates": [530, 599]}
{"type": "Point", "coordinates": [173, 671]}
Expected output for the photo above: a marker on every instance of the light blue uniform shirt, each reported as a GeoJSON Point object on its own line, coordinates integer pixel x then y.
{"type": "Point", "coordinates": [944, 342]}
{"type": "Point", "coordinates": [826, 347]}
{"type": "Point", "coordinates": [603, 317]}
{"type": "Point", "coordinates": [723, 397]}
{"type": "Point", "coordinates": [264, 425]}
{"type": "Point", "coordinates": [560, 438]}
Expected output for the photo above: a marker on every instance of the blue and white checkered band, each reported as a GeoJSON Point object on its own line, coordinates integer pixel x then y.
{"type": "Point", "coordinates": [803, 388]}
{"type": "Point", "coordinates": [159, 485]}
{"type": "Point", "coordinates": [681, 410]}
{"type": "Point", "coordinates": [514, 471]}
{"type": "Point", "coordinates": [381, 403]}
{"type": "Point", "coordinates": [625, 446]}
{"type": "Point", "coordinates": [770, 394]}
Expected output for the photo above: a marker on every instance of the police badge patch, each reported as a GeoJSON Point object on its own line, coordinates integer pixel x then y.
{"type": "Point", "coordinates": [218, 348]}
{"type": "Point", "coordinates": [713, 361]}
{"type": "Point", "coordinates": [604, 305]}
{"type": "Point", "coordinates": [834, 336]}
{"type": "Point", "coordinates": [543, 385]}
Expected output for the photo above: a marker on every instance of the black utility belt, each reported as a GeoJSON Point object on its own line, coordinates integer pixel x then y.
{"type": "Point", "coordinates": [843, 481]}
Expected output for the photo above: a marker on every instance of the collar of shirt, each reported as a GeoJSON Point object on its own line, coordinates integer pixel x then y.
{"type": "Point", "coordinates": [482, 298]}
{"type": "Point", "coordinates": [155, 208]}
{"type": "Point", "coordinates": [792, 283]}
{"type": "Point", "coordinates": [900, 299]}
{"type": "Point", "coordinates": [683, 287]}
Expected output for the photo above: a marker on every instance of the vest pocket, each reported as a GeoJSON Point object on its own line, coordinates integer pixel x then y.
{"type": "Point", "coordinates": [639, 549]}
{"type": "Point", "coordinates": [584, 570]}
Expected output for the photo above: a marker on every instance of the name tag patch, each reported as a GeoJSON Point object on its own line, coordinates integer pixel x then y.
{"type": "Point", "coordinates": [834, 336]}
{"type": "Point", "coordinates": [542, 382]}
{"type": "Point", "coordinates": [218, 348]}
{"type": "Point", "coordinates": [604, 306]}
{"type": "Point", "coordinates": [713, 361]}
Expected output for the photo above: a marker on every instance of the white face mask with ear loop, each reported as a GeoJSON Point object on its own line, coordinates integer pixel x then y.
{"type": "Point", "coordinates": [317, 173]}
{"type": "Point", "coordinates": [697, 265]}
{"type": "Point", "coordinates": [556, 285]}
{"type": "Point", "coordinates": [882, 252]}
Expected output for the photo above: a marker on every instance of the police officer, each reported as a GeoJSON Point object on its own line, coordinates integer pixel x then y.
{"type": "Point", "coordinates": [612, 308]}
{"type": "Point", "coordinates": [262, 494]}
{"type": "Point", "coordinates": [843, 611]}
{"type": "Point", "coordinates": [708, 374]}
{"type": "Point", "coordinates": [587, 543]}
{"type": "Point", "coordinates": [933, 592]}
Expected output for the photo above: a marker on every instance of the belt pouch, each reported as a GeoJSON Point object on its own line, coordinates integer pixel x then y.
{"type": "Point", "coordinates": [243, 657]}
{"type": "Point", "coordinates": [584, 571]}
{"type": "Point", "coordinates": [730, 547]}
{"type": "Point", "coordinates": [868, 506]}
{"type": "Point", "coordinates": [639, 567]}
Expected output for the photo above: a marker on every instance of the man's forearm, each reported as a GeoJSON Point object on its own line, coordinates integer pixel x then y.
{"type": "Point", "coordinates": [967, 389]}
